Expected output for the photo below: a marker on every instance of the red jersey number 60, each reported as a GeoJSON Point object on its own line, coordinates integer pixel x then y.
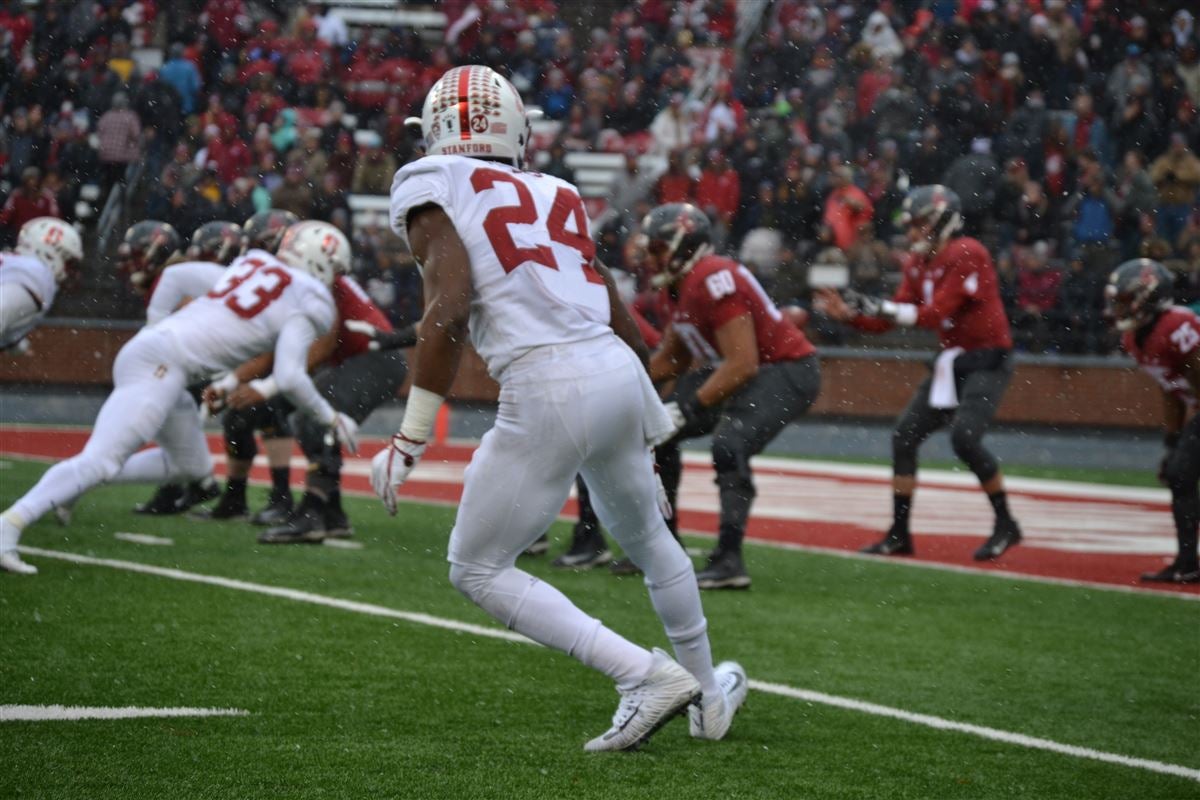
{"type": "Point", "coordinates": [567, 207]}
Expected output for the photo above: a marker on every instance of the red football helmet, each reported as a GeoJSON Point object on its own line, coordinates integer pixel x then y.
{"type": "Point", "coordinates": [145, 251]}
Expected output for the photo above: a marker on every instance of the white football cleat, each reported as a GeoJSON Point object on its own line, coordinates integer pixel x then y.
{"type": "Point", "coordinates": [11, 562]}
{"type": "Point", "coordinates": [665, 693]}
{"type": "Point", "coordinates": [712, 716]}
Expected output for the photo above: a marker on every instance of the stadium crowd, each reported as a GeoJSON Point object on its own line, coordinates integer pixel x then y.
{"type": "Point", "coordinates": [1069, 127]}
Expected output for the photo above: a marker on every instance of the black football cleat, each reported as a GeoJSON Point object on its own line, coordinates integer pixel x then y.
{"type": "Point", "coordinates": [277, 511]}
{"type": "Point", "coordinates": [337, 524]}
{"type": "Point", "coordinates": [306, 525]}
{"type": "Point", "coordinates": [588, 549]}
{"type": "Point", "coordinates": [163, 502]}
{"type": "Point", "coordinates": [724, 570]}
{"type": "Point", "coordinates": [539, 547]}
{"type": "Point", "coordinates": [195, 493]}
{"type": "Point", "coordinates": [229, 507]}
{"type": "Point", "coordinates": [1006, 534]}
{"type": "Point", "coordinates": [1174, 574]}
{"type": "Point", "coordinates": [895, 543]}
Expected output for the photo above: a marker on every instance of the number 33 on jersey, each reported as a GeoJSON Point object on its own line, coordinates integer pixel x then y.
{"type": "Point", "coordinates": [530, 249]}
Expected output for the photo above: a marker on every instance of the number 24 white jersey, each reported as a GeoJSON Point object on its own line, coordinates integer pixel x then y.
{"type": "Point", "coordinates": [530, 250]}
{"type": "Point", "coordinates": [243, 313]}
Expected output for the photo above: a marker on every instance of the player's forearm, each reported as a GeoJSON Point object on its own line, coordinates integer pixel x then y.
{"type": "Point", "coordinates": [621, 320]}
{"type": "Point", "coordinates": [730, 376]}
{"type": "Point", "coordinates": [440, 343]}
{"type": "Point", "coordinates": [257, 367]}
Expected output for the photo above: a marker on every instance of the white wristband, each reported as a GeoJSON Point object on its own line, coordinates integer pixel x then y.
{"type": "Point", "coordinates": [268, 387]}
{"type": "Point", "coordinates": [419, 414]}
{"type": "Point", "coordinates": [905, 314]}
{"type": "Point", "coordinates": [226, 383]}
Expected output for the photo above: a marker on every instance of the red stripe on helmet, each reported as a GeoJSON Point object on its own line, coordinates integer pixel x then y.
{"type": "Point", "coordinates": [464, 90]}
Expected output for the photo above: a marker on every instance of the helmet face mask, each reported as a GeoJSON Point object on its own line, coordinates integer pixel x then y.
{"type": "Point", "coordinates": [474, 111]}
{"type": "Point", "coordinates": [676, 236]}
{"type": "Point", "coordinates": [217, 242]}
{"type": "Point", "coordinates": [146, 248]}
{"type": "Point", "coordinates": [931, 215]}
{"type": "Point", "coordinates": [1137, 292]}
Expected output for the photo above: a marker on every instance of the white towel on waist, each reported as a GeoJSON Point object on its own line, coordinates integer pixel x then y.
{"type": "Point", "coordinates": [942, 392]}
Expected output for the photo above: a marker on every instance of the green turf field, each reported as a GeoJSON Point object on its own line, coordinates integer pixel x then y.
{"type": "Point", "coordinates": [350, 705]}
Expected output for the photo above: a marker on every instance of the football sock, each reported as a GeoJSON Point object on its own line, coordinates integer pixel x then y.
{"type": "Point", "coordinates": [280, 486]}
{"type": "Point", "coordinates": [236, 488]}
{"type": "Point", "coordinates": [536, 609]}
{"type": "Point", "coordinates": [1185, 507]}
{"type": "Point", "coordinates": [901, 508]}
{"type": "Point", "coordinates": [999, 501]}
{"type": "Point", "coordinates": [10, 530]}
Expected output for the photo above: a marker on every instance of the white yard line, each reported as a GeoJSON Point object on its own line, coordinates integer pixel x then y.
{"type": "Point", "coordinates": [143, 538]}
{"type": "Point", "coordinates": [71, 713]}
{"type": "Point", "coordinates": [847, 703]}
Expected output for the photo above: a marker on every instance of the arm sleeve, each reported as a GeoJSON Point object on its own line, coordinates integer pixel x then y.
{"type": "Point", "coordinates": [960, 285]}
{"type": "Point", "coordinates": [291, 374]}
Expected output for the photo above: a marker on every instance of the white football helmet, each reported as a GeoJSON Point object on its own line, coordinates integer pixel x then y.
{"type": "Point", "coordinates": [317, 248]}
{"type": "Point", "coordinates": [474, 111]}
{"type": "Point", "coordinates": [52, 241]}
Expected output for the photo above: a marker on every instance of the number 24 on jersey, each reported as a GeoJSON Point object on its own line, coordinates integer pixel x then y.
{"type": "Point", "coordinates": [567, 207]}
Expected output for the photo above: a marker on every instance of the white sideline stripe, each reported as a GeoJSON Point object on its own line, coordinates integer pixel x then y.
{"type": "Point", "coordinates": [901, 563]}
{"type": "Point", "coordinates": [142, 538]}
{"type": "Point", "coordinates": [342, 544]}
{"type": "Point", "coordinates": [286, 594]}
{"type": "Point", "coordinates": [981, 731]}
{"type": "Point", "coordinates": [848, 703]}
{"type": "Point", "coordinates": [57, 713]}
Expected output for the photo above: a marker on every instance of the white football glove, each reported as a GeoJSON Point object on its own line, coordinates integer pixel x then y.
{"type": "Point", "coordinates": [391, 466]}
{"type": "Point", "coordinates": [678, 419]}
{"type": "Point", "coordinates": [366, 329]}
{"type": "Point", "coordinates": [343, 430]}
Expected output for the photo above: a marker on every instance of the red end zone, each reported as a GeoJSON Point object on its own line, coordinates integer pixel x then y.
{"type": "Point", "coordinates": [1073, 532]}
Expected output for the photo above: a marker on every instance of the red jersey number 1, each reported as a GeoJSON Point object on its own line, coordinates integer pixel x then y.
{"type": "Point", "coordinates": [567, 208]}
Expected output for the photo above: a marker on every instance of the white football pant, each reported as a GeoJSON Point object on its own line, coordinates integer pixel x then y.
{"type": "Point", "coordinates": [148, 402]}
{"type": "Point", "coordinates": [18, 310]}
{"type": "Point", "coordinates": [565, 410]}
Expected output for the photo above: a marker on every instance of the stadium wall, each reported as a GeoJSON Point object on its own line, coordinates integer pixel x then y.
{"type": "Point", "coordinates": [1091, 392]}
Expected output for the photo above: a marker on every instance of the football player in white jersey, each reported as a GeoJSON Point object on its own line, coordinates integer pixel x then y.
{"type": "Point", "coordinates": [508, 261]}
{"type": "Point", "coordinates": [48, 250]}
{"type": "Point", "coordinates": [214, 245]}
{"type": "Point", "coordinates": [260, 303]}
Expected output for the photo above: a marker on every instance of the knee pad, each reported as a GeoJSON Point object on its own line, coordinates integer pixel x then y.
{"type": "Point", "coordinates": [730, 455]}
{"type": "Point", "coordinates": [238, 425]}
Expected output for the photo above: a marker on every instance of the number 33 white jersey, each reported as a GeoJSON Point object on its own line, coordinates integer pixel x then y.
{"type": "Point", "coordinates": [531, 253]}
{"type": "Point", "coordinates": [244, 312]}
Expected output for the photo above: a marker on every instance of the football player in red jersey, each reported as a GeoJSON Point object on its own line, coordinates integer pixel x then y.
{"type": "Point", "coordinates": [1165, 341]}
{"type": "Point", "coordinates": [744, 371]}
{"type": "Point", "coordinates": [356, 377]}
{"type": "Point", "coordinates": [949, 285]}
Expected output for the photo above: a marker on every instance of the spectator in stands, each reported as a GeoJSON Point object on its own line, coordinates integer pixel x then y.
{"type": "Point", "coordinates": [1078, 325]}
{"type": "Point", "coordinates": [557, 95]}
{"type": "Point", "coordinates": [672, 127]}
{"type": "Point", "coordinates": [31, 199]}
{"type": "Point", "coordinates": [675, 185]}
{"type": "Point", "coordinates": [329, 199]}
{"type": "Point", "coordinates": [1091, 214]}
{"type": "Point", "coordinates": [183, 76]}
{"type": "Point", "coordinates": [718, 193]}
{"type": "Point", "coordinates": [120, 134]}
{"type": "Point", "coordinates": [1132, 196]}
{"type": "Point", "coordinates": [630, 186]}
{"type": "Point", "coordinates": [556, 162]}
{"type": "Point", "coordinates": [847, 208]}
{"type": "Point", "coordinates": [1037, 296]}
{"type": "Point", "coordinates": [375, 169]}
{"type": "Point", "coordinates": [1176, 174]}
{"type": "Point", "coordinates": [294, 194]}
